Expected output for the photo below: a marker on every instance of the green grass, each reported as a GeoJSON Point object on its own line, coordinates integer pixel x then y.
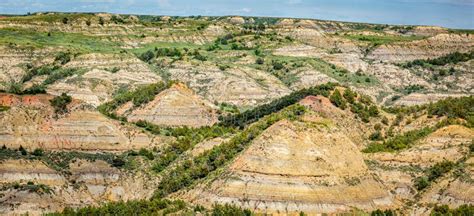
{"type": "Point", "coordinates": [72, 41]}
{"type": "Point", "coordinates": [342, 75]}
{"type": "Point", "coordinates": [50, 18]}
{"type": "Point", "coordinates": [179, 45]}
{"type": "Point", "coordinates": [293, 63]}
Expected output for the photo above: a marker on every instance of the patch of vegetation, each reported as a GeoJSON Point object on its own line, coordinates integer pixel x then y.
{"type": "Point", "coordinates": [337, 99]}
{"type": "Point", "coordinates": [50, 17]}
{"type": "Point", "coordinates": [186, 138]}
{"type": "Point", "coordinates": [60, 103]}
{"type": "Point", "coordinates": [192, 170]}
{"type": "Point", "coordinates": [462, 31]}
{"type": "Point", "coordinates": [361, 105]}
{"type": "Point", "coordinates": [60, 161]}
{"type": "Point", "coordinates": [342, 75]}
{"type": "Point", "coordinates": [38, 71]}
{"type": "Point", "coordinates": [29, 186]}
{"type": "Point", "coordinates": [376, 40]}
{"type": "Point", "coordinates": [249, 116]}
{"type": "Point", "coordinates": [399, 142]}
{"type": "Point", "coordinates": [63, 57]}
{"type": "Point", "coordinates": [229, 108]}
{"type": "Point", "coordinates": [451, 58]}
{"type": "Point", "coordinates": [444, 210]}
{"type": "Point", "coordinates": [412, 89]}
{"type": "Point", "coordinates": [4, 108]}
{"type": "Point", "coordinates": [54, 73]}
{"type": "Point", "coordinates": [407, 139]}
{"type": "Point", "coordinates": [433, 173]}
{"type": "Point", "coordinates": [387, 212]}
{"type": "Point", "coordinates": [113, 70]}
{"type": "Point", "coordinates": [462, 107]}
{"type": "Point", "coordinates": [74, 41]}
{"type": "Point", "coordinates": [141, 95]}
{"type": "Point", "coordinates": [154, 207]}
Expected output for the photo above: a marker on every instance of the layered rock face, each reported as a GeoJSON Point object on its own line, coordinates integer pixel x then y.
{"type": "Point", "coordinates": [453, 191]}
{"type": "Point", "coordinates": [298, 166]}
{"type": "Point", "coordinates": [240, 86]}
{"type": "Point", "coordinates": [444, 144]}
{"type": "Point", "coordinates": [11, 64]}
{"type": "Point", "coordinates": [104, 74]}
{"type": "Point", "coordinates": [398, 170]}
{"type": "Point", "coordinates": [88, 183]}
{"type": "Point", "coordinates": [176, 106]}
{"type": "Point", "coordinates": [419, 99]}
{"type": "Point", "coordinates": [432, 47]}
{"type": "Point", "coordinates": [30, 123]}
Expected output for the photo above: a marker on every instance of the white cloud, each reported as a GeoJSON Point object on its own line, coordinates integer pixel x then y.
{"type": "Point", "coordinates": [246, 10]}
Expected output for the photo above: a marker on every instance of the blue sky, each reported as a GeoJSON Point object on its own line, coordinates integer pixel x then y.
{"type": "Point", "coordinates": [447, 13]}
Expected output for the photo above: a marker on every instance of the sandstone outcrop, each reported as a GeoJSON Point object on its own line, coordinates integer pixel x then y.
{"type": "Point", "coordinates": [297, 166]}
{"type": "Point", "coordinates": [31, 123]}
{"type": "Point", "coordinates": [176, 106]}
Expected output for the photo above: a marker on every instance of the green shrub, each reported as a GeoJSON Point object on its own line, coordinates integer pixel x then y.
{"type": "Point", "coordinates": [277, 65]}
{"type": "Point", "coordinates": [387, 212]}
{"type": "Point", "coordinates": [421, 183]}
{"type": "Point", "coordinates": [15, 88]}
{"type": "Point", "coordinates": [451, 58]}
{"type": "Point", "coordinates": [22, 150]}
{"type": "Point", "coordinates": [63, 58]}
{"type": "Point", "coordinates": [462, 210]}
{"type": "Point", "coordinates": [439, 169]}
{"type": "Point", "coordinates": [147, 56]}
{"type": "Point", "coordinates": [349, 95]}
{"type": "Point", "coordinates": [433, 173]}
{"type": "Point", "coordinates": [38, 152]}
{"type": "Point", "coordinates": [35, 89]}
{"type": "Point", "coordinates": [377, 135]}
{"type": "Point", "coordinates": [199, 56]}
{"type": "Point", "coordinates": [146, 153]}
{"type": "Point", "coordinates": [259, 61]}
{"type": "Point", "coordinates": [337, 99]}
{"type": "Point", "coordinates": [60, 103]}
{"type": "Point", "coordinates": [118, 162]}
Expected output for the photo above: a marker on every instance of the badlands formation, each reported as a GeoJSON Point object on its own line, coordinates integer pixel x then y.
{"type": "Point", "coordinates": [122, 114]}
